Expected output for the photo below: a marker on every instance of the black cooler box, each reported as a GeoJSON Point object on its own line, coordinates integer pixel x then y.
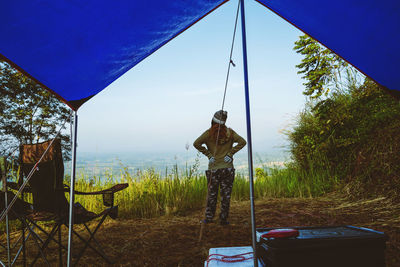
{"type": "Point", "coordinates": [339, 246]}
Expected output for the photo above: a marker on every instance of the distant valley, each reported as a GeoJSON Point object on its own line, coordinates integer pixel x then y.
{"type": "Point", "coordinates": [102, 164]}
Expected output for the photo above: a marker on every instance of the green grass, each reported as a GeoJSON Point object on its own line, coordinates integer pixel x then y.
{"type": "Point", "coordinates": [153, 194]}
{"type": "Point", "coordinates": [294, 182]}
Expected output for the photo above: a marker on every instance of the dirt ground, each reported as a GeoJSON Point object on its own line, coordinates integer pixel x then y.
{"type": "Point", "coordinates": [173, 240]}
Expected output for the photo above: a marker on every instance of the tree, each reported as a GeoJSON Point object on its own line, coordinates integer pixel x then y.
{"type": "Point", "coordinates": [323, 70]}
{"type": "Point", "coordinates": [29, 113]}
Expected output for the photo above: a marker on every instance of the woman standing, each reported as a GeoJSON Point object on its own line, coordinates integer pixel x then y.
{"type": "Point", "coordinates": [219, 149]}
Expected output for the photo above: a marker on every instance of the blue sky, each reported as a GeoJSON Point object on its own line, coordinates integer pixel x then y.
{"type": "Point", "coordinates": [168, 99]}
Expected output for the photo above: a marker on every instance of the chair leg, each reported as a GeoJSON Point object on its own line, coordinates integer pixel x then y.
{"type": "Point", "coordinates": [93, 248]}
{"type": "Point", "coordinates": [41, 251]}
{"type": "Point", "coordinates": [20, 250]}
{"type": "Point", "coordinates": [47, 235]}
{"type": "Point", "coordinates": [99, 247]}
{"type": "Point", "coordinates": [59, 246]}
{"type": "Point", "coordinates": [45, 244]}
{"type": "Point", "coordinates": [32, 229]}
{"type": "Point", "coordinates": [16, 243]}
{"type": "Point", "coordinates": [88, 241]}
{"type": "Point", "coordinates": [25, 225]}
{"type": "Point", "coordinates": [23, 243]}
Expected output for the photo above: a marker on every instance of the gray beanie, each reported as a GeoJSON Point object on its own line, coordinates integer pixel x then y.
{"type": "Point", "coordinates": [220, 117]}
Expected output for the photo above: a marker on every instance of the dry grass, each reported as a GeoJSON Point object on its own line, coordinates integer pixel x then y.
{"type": "Point", "coordinates": [172, 240]}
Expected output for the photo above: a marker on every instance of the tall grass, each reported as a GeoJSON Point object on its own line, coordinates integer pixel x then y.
{"type": "Point", "coordinates": [176, 192]}
{"type": "Point", "coordinates": [149, 193]}
{"type": "Point", "coordinates": [153, 194]}
{"type": "Point", "coordinates": [294, 182]}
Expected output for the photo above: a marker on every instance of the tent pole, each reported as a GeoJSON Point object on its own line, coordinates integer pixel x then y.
{"type": "Point", "coordinates": [7, 224]}
{"type": "Point", "coordinates": [4, 189]}
{"type": "Point", "coordinates": [249, 144]}
{"type": "Point", "coordinates": [3, 176]}
{"type": "Point", "coordinates": [72, 189]}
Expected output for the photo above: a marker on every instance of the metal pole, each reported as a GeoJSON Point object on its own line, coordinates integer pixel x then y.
{"type": "Point", "coordinates": [72, 189]}
{"type": "Point", "coordinates": [249, 145]}
{"type": "Point", "coordinates": [3, 174]}
{"type": "Point", "coordinates": [7, 224]}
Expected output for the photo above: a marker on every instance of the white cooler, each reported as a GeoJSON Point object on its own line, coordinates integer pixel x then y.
{"type": "Point", "coordinates": [243, 257]}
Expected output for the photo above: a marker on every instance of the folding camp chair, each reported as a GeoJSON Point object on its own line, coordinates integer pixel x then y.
{"type": "Point", "coordinates": [13, 249]}
{"type": "Point", "coordinates": [50, 203]}
{"type": "Point", "coordinates": [18, 212]}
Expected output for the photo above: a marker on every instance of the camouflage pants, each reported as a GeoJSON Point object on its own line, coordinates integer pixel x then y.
{"type": "Point", "coordinates": [220, 178]}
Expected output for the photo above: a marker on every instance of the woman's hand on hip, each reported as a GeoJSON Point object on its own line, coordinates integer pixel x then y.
{"type": "Point", "coordinates": [211, 160]}
{"type": "Point", "coordinates": [228, 159]}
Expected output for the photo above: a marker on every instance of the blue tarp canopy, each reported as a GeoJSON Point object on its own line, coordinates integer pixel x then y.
{"type": "Point", "coordinates": [77, 48]}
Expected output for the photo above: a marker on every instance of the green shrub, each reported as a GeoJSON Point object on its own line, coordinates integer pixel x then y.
{"type": "Point", "coordinates": [357, 132]}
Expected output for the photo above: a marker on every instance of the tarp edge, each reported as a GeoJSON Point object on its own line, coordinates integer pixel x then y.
{"type": "Point", "coordinates": [160, 46]}
{"type": "Point", "coordinates": [391, 92]}
{"type": "Point", "coordinates": [70, 105]}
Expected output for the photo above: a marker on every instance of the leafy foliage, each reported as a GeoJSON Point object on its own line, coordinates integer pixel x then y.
{"type": "Point", "coordinates": [29, 114]}
{"type": "Point", "coordinates": [356, 127]}
{"type": "Point", "coordinates": [320, 67]}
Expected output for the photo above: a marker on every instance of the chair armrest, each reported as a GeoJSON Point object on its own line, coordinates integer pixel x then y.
{"type": "Point", "coordinates": [114, 189]}
{"type": "Point", "coordinates": [16, 186]}
{"type": "Point", "coordinates": [108, 194]}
